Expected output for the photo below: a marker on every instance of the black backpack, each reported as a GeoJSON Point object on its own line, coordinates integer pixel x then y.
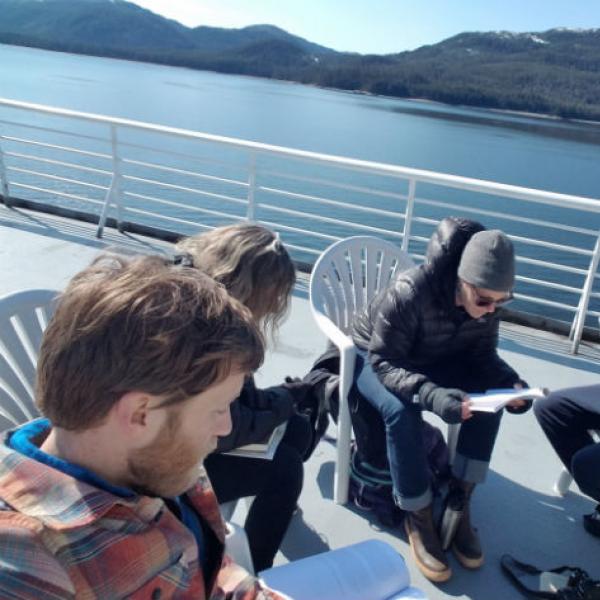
{"type": "Point", "coordinates": [371, 490]}
{"type": "Point", "coordinates": [371, 484]}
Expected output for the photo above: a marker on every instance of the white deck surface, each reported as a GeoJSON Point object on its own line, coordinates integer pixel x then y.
{"type": "Point", "coordinates": [516, 510]}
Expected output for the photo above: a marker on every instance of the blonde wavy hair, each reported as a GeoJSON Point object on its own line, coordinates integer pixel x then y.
{"type": "Point", "coordinates": [252, 264]}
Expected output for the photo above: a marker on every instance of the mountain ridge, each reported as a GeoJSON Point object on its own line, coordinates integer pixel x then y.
{"type": "Point", "coordinates": [555, 72]}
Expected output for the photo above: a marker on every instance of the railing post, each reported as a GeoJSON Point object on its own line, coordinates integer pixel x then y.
{"type": "Point", "coordinates": [579, 320]}
{"type": "Point", "coordinates": [113, 192]}
{"type": "Point", "coordinates": [4, 177]}
{"type": "Point", "coordinates": [251, 214]}
{"type": "Point", "coordinates": [410, 205]}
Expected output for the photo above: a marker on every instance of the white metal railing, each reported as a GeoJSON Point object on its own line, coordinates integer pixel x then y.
{"type": "Point", "coordinates": [183, 180]}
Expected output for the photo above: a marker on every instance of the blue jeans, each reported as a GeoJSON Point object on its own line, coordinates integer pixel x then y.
{"type": "Point", "coordinates": [404, 440]}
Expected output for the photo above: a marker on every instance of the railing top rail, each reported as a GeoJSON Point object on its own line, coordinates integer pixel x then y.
{"type": "Point", "coordinates": [444, 179]}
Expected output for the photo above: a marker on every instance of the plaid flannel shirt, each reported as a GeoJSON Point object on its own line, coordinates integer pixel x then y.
{"type": "Point", "coordinates": [61, 538]}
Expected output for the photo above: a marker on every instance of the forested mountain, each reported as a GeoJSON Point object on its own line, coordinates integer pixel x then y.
{"type": "Point", "coordinates": [99, 23]}
{"type": "Point", "coordinates": [555, 72]}
{"type": "Point", "coordinates": [118, 24]}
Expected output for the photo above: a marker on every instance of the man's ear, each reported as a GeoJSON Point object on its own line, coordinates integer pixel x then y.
{"type": "Point", "coordinates": [137, 418]}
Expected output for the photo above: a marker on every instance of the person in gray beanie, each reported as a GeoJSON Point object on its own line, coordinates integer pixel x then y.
{"type": "Point", "coordinates": [488, 261]}
{"type": "Point", "coordinates": [425, 343]}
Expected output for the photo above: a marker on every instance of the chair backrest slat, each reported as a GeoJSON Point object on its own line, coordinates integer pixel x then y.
{"type": "Point", "coordinates": [23, 318]}
{"type": "Point", "coordinates": [344, 290]}
{"type": "Point", "coordinates": [17, 353]}
{"type": "Point", "coordinates": [29, 324]}
{"type": "Point", "coordinates": [372, 273]}
{"type": "Point", "coordinates": [16, 397]}
{"type": "Point", "coordinates": [350, 273]}
{"type": "Point", "coordinates": [359, 276]}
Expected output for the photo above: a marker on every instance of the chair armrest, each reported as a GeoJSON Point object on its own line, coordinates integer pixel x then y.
{"type": "Point", "coordinates": [333, 332]}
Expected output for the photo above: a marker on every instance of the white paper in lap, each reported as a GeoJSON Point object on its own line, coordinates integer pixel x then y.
{"type": "Point", "coordinates": [494, 400]}
{"type": "Point", "coordinates": [370, 570]}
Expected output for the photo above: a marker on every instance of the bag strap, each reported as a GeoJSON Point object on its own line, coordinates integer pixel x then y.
{"type": "Point", "coordinates": [580, 585]}
{"type": "Point", "coordinates": [366, 473]}
{"type": "Point", "coordinates": [508, 564]}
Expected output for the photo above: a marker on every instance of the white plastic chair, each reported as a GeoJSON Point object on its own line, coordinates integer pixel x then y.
{"type": "Point", "coordinates": [236, 540]}
{"type": "Point", "coordinates": [23, 318]}
{"type": "Point", "coordinates": [344, 279]}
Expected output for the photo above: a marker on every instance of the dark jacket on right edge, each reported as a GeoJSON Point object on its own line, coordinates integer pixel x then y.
{"type": "Point", "coordinates": [415, 334]}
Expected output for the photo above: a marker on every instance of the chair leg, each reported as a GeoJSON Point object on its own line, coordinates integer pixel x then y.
{"type": "Point", "coordinates": [236, 545]}
{"type": "Point", "coordinates": [452, 435]}
{"type": "Point", "coordinates": [227, 509]}
{"type": "Point", "coordinates": [342, 470]}
{"type": "Point", "coordinates": [563, 482]}
{"type": "Point", "coordinates": [565, 479]}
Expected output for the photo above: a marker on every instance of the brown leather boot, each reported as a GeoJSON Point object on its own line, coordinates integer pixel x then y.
{"type": "Point", "coordinates": [466, 545]}
{"type": "Point", "coordinates": [425, 545]}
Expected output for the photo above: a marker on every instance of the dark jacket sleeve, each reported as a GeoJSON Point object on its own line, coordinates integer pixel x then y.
{"type": "Point", "coordinates": [483, 354]}
{"type": "Point", "coordinates": [395, 330]}
{"type": "Point", "coordinates": [485, 358]}
{"type": "Point", "coordinates": [255, 414]}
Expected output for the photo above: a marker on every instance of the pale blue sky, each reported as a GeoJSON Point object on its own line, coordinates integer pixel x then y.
{"type": "Point", "coordinates": [382, 26]}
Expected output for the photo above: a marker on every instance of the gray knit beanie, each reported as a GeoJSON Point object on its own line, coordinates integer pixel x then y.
{"type": "Point", "coordinates": [488, 261]}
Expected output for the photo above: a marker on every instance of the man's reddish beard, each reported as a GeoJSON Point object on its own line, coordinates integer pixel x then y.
{"type": "Point", "coordinates": [164, 467]}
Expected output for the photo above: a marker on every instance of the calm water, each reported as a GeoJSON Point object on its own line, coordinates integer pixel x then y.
{"type": "Point", "coordinates": [474, 143]}
{"type": "Point", "coordinates": [531, 152]}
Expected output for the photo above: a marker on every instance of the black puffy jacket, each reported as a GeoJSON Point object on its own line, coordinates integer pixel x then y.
{"type": "Point", "coordinates": [413, 331]}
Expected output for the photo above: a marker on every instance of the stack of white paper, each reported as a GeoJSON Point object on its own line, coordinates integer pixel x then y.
{"type": "Point", "coordinates": [370, 570]}
{"type": "Point", "coordinates": [494, 400]}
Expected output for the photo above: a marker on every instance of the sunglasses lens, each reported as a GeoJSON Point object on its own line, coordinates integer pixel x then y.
{"type": "Point", "coordinates": [485, 302]}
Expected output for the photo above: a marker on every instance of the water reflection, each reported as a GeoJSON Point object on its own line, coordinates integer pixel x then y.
{"type": "Point", "coordinates": [588, 133]}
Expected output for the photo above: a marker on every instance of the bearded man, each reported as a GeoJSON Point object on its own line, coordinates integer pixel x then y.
{"type": "Point", "coordinates": [106, 497]}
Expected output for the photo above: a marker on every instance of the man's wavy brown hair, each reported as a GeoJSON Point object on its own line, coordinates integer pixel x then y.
{"type": "Point", "coordinates": [139, 324]}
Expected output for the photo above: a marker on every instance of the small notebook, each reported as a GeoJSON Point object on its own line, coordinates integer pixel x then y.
{"type": "Point", "coordinates": [265, 449]}
{"type": "Point", "coordinates": [494, 400]}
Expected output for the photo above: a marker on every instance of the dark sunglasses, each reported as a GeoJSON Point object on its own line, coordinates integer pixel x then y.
{"type": "Point", "coordinates": [485, 301]}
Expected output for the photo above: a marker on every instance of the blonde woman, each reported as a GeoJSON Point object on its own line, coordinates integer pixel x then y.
{"type": "Point", "coordinates": [255, 268]}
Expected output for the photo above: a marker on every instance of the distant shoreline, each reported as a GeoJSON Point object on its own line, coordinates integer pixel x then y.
{"type": "Point", "coordinates": [114, 55]}
{"type": "Point", "coordinates": [501, 111]}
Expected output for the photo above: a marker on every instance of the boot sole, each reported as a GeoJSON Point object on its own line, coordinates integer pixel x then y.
{"type": "Point", "coordinates": [465, 561]}
{"type": "Point", "coordinates": [435, 576]}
